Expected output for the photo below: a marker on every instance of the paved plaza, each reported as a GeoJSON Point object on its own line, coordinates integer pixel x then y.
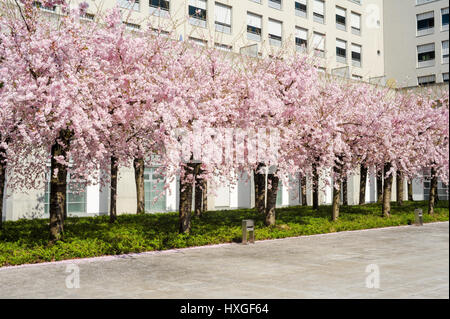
{"type": "Point", "coordinates": [396, 262]}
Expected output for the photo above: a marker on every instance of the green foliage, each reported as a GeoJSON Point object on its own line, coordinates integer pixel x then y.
{"type": "Point", "coordinates": [26, 241]}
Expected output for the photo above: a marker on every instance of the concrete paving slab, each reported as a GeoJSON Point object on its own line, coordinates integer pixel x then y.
{"type": "Point", "coordinates": [413, 262]}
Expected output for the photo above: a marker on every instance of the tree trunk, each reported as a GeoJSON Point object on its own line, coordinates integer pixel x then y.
{"type": "Point", "coordinates": [205, 196]}
{"type": "Point", "coordinates": [400, 190]}
{"type": "Point", "coordinates": [303, 191]}
{"type": "Point", "coordinates": [380, 187]}
{"type": "Point", "coordinates": [433, 192]}
{"type": "Point", "coordinates": [139, 167]}
{"type": "Point", "coordinates": [362, 185]}
{"type": "Point", "coordinates": [315, 188]}
{"type": "Point", "coordinates": [410, 191]}
{"type": "Point", "coordinates": [2, 182]}
{"type": "Point", "coordinates": [113, 189]}
{"type": "Point", "coordinates": [260, 188]}
{"type": "Point", "coordinates": [272, 180]}
{"type": "Point", "coordinates": [387, 188]}
{"type": "Point", "coordinates": [58, 186]}
{"type": "Point", "coordinates": [198, 191]}
{"type": "Point", "coordinates": [336, 202]}
{"type": "Point", "coordinates": [344, 191]}
{"type": "Point", "coordinates": [185, 205]}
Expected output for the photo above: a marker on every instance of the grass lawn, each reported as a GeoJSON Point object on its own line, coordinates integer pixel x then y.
{"type": "Point", "coordinates": [26, 241]}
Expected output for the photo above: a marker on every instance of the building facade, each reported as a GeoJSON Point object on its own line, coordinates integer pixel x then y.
{"type": "Point", "coordinates": [416, 41]}
{"type": "Point", "coordinates": [402, 43]}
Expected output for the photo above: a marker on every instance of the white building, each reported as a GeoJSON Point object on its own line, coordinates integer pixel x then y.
{"type": "Point", "coordinates": [402, 42]}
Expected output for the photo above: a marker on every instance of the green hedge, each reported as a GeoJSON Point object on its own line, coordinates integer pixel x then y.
{"type": "Point", "coordinates": [26, 241]}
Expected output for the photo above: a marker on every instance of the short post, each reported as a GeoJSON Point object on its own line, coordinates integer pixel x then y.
{"type": "Point", "coordinates": [248, 231]}
{"type": "Point", "coordinates": [418, 213]}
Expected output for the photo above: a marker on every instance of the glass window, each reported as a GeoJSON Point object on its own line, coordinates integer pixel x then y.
{"type": "Point", "coordinates": [197, 13]}
{"type": "Point", "coordinates": [155, 198]}
{"type": "Point", "coordinates": [341, 16]}
{"type": "Point", "coordinates": [425, 80]}
{"type": "Point", "coordinates": [254, 25]}
{"type": "Point", "coordinates": [425, 21]}
{"type": "Point", "coordinates": [275, 32]}
{"type": "Point", "coordinates": [445, 18]}
{"type": "Point", "coordinates": [341, 51]}
{"type": "Point", "coordinates": [301, 39]}
{"type": "Point", "coordinates": [75, 195]}
{"type": "Point", "coordinates": [355, 20]}
{"type": "Point", "coordinates": [319, 11]}
{"type": "Point", "coordinates": [301, 8]}
{"type": "Point", "coordinates": [222, 17]}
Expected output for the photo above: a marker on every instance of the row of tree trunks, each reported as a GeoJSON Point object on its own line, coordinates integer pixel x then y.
{"type": "Point", "coordinates": [303, 191]}
{"type": "Point", "coordinates": [200, 199]}
{"type": "Point", "coordinates": [273, 181]}
{"type": "Point", "coordinates": [400, 190]}
{"type": "Point", "coordinates": [113, 188]}
{"type": "Point", "coordinates": [380, 186]}
{"type": "Point", "coordinates": [139, 168]}
{"type": "Point", "coordinates": [186, 192]}
{"type": "Point", "coordinates": [2, 181]}
{"type": "Point", "coordinates": [260, 188]}
{"type": "Point", "coordinates": [362, 185]}
{"type": "Point", "coordinates": [433, 192]}
{"type": "Point", "coordinates": [58, 186]}
{"type": "Point", "coordinates": [315, 187]}
{"type": "Point", "coordinates": [344, 191]}
{"type": "Point", "coordinates": [387, 190]}
{"type": "Point", "coordinates": [410, 191]}
{"type": "Point", "coordinates": [336, 202]}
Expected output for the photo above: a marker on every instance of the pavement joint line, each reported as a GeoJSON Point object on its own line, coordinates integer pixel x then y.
{"type": "Point", "coordinates": [181, 250]}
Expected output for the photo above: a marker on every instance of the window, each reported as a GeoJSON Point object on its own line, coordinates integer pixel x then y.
{"type": "Point", "coordinates": [223, 47]}
{"type": "Point", "coordinates": [425, 55]}
{"type": "Point", "coordinates": [356, 55]}
{"type": "Point", "coordinates": [319, 11]}
{"type": "Point", "coordinates": [160, 32]}
{"type": "Point", "coordinates": [129, 4]}
{"type": "Point", "coordinates": [87, 16]}
{"type": "Point", "coordinates": [341, 15]}
{"type": "Point", "coordinates": [197, 13]}
{"type": "Point", "coordinates": [39, 5]}
{"type": "Point", "coordinates": [319, 44]}
{"type": "Point", "coordinates": [355, 20]}
{"type": "Point", "coordinates": [301, 39]}
{"type": "Point", "coordinates": [301, 8]}
{"type": "Point", "coordinates": [276, 4]}
{"type": "Point", "coordinates": [275, 32]}
{"type": "Point", "coordinates": [425, 23]}
{"type": "Point", "coordinates": [154, 190]}
{"type": "Point", "coordinates": [75, 196]}
{"type": "Point", "coordinates": [257, 1]}
{"type": "Point", "coordinates": [222, 17]}
{"type": "Point", "coordinates": [445, 51]}
{"type": "Point", "coordinates": [159, 7]}
{"type": "Point", "coordinates": [444, 18]}
{"type": "Point", "coordinates": [423, 1]}
{"type": "Point", "coordinates": [341, 51]}
{"type": "Point", "coordinates": [254, 24]}
{"type": "Point", "coordinates": [445, 77]}
{"type": "Point", "coordinates": [199, 42]}
{"type": "Point", "coordinates": [132, 26]}
{"type": "Point", "coordinates": [357, 77]}
{"type": "Point", "coordinates": [425, 80]}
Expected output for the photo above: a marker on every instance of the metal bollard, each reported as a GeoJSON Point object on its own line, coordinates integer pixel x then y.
{"type": "Point", "coordinates": [248, 231]}
{"type": "Point", "coordinates": [419, 217]}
